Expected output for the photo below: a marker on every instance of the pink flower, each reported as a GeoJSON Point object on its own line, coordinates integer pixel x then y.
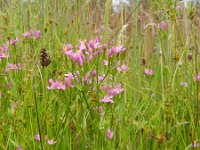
{"type": "Point", "coordinates": [94, 73]}
{"type": "Point", "coordinates": [87, 78]}
{"type": "Point", "coordinates": [68, 80]}
{"type": "Point", "coordinates": [13, 42]}
{"type": "Point", "coordinates": [56, 85]}
{"type": "Point", "coordinates": [101, 78]}
{"type": "Point", "coordinates": [163, 25]}
{"type": "Point", "coordinates": [111, 52]}
{"type": "Point", "coordinates": [37, 34]}
{"type": "Point", "coordinates": [4, 48]}
{"type": "Point", "coordinates": [93, 44]}
{"type": "Point", "coordinates": [116, 90]}
{"type": "Point", "coordinates": [148, 72]}
{"type": "Point", "coordinates": [178, 7]}
{"type": "Point", "coordinates": [197, 77]}
{"type": "Point", "coordinates": [99, 39]}
{"type": "Point", "coordinates": [105, 62]}
{"type": "Point", "coordinates": [77, 56]}
{"type": "Point", "coordinates": [116, 50]}
{"type": "Point", "coordinates": [66, 48]}
{"type": "Point", "coordinates": [51, 142]}
{"type": "Point", "coordinates": [4, 53]}
{"type": "Point", "coordinates": [109, 134]}
{"type": "Point", "coordinates": [28, 34]}
{"type": "Point", "coordinates": [123, 68]}
{"type": "Point", "coordinates": [82, 46]}
{"type": "Point", "coordinates": [104, 47]}
{"type": "Point", "coordinates": [107, 99]}
{"type": "Point", "coordinates": [106, 87]}
{"type": "Point", "coordinates": [37, 137]}
{"type": "Point", "coordinates": [97, 53]}
{"type": "Point", "coordinates": [31, 34]}
{"type": "Point", "coordinates": [13, 67]}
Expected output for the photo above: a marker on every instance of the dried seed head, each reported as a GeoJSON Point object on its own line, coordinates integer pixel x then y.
{"type": "Point", "coordinates": [45, 59]}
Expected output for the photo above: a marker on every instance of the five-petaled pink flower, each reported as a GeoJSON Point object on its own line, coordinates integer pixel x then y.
{"type": "Point", "coordinates": [32, 34]}
{"type": "Point", "coordinates": [37, 34]}
{"type": "Point", "coordinates": [37, 137]}
{"type": "Point", "coordinates": [93, 44]}
{"type": "Point", "coordinates": [66, 48]}
{"type": "Point", "coordinates": [116, 90]}
{"type": "Point", "coordinates": [28, 34]}
{"type": "Point", "coordinates": [13, 42]}
{"type": "Point", "coordinates": [107, 99]}
{"type": "Point", "coordinates": [68, 80]}
{"type": "Point", "coordinates": [163, 25]}
{"type": "Point", "coordinates": [51, 142]}
{"type": "Point", "coordinates": [122, 68]}
{"type": "Point", "coordinates": [116, 50]}
{"type": "Point", "coordinates": [148, 72]}
{"type": "Point", "coordinates": [56, 85]}
{"type": "Point", "coordinates": [77, 56]}
{"type": "Point", "coordinates": [109, 134]}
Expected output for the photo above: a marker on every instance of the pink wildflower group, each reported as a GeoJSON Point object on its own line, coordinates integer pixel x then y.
{"type": "Point", "coordinates": [49, 141]}
{"type": "Point", "coordinates": [86, 52]}
{"type": "Point", "coordinates": [93, 61]}
{"type": "Point", "coordinates": [13, 67]}
{"type": "Point", "coordinates": [32, 34]}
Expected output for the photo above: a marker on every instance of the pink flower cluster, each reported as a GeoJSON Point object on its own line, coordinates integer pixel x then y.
{"type": "Point", "coordinates": [86, 52]}
{"type": "Point", "coordinates": [50, 142]}
{"type": "Point", "coordinates": [60, 85]}
{"type": "Point", "coordinates": [89, 50]}
{"type": "Point", "coordinates": [32, 34]}
{"type": "Point", "coordinates": [116, 50]}
{"type": "Point", "coordinates": [13, 67]}
{"type": "Point", "coordinates": [121, 68]}
{"type": "Point", "coordinates": [4, 52]}
{"type": "Point", "coordinates": [4, 49]}
{"type": "Point", "coordinates": [56, 85]}
{"type": "Point", "coordinates": [111, 92]}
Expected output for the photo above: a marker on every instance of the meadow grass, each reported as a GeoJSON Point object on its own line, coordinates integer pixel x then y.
{"type": "Point", "coordinates": [155, 109]}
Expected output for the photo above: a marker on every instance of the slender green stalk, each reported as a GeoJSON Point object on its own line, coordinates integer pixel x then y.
{"type": "Point", "coordinates": [37, 114]}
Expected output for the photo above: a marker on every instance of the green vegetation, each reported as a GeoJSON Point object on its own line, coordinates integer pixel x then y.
{"type": "Point", "coordinates": [78, 93]}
